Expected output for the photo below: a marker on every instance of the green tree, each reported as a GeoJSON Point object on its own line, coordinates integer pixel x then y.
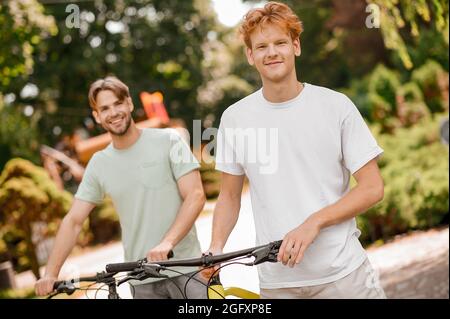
{"type": "Point", "coordinates": [227, 75]}
{"type": "Point", "coordinates": [402, 21]}
{"type": "Point", "coordinates": [23, 25]}
{"type": "Point", "coordinates": [336, 45]}
{"type": "Point", "coordinates": [19, 136]}
{"type": "Point", "coordinates": [150, 45]}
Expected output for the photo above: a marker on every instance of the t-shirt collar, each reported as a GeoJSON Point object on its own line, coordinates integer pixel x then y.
{"type": "Point", "coordinates": [288, 103]}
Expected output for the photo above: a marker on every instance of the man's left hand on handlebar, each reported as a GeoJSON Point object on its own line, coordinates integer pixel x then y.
{"type": "Point", "coordinates": [209, 271]}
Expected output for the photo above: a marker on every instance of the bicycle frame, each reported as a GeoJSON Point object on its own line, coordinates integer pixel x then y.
{"type": "Point", "coordinates": [217, 291]}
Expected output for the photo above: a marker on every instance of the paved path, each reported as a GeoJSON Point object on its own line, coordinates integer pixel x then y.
{"type": "Point", "coordinates": [413, 266]}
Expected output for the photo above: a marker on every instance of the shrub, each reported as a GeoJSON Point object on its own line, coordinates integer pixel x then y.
{"type": "Point", "coordinates": [433, 81]}
{"type": "Point", "coordinates": [393, 100]}
{"type": "Point", "coordinates": [210, 179]}
{"type": "Point", "coordinates": [25, 293]}
{"type": "Point", "coordinates": [104, 224]}
{"type": "Point", "coordinates": [28, 196]}
{"type": "Point", "coordinates": [415, 170]}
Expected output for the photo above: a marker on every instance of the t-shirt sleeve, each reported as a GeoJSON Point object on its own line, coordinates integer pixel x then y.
{"type": "Point", "coordinates": [226, 159]}
{"type": "Point", "coordinates": [182, 161]}
{"type": "Point", "coordinates": [90, 189]}
{"type": "Point", "coordinates": [358, 144]}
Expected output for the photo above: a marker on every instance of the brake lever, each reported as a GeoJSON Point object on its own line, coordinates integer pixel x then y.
{"type": "Point", "coordinates": [153, 270]}
{"type": "Point", "coordinates": [125, 280]}
{"type": "Point", "coordinates": [131, 275]}
{"type": "Point", "coordinates": [66, 287]}
{"type": "Point", "coordinates": [266, 254]}
{"type": "Point", "coordinates": [147, 271]}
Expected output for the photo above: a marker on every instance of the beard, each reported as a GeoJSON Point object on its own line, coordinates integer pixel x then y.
{"type": "Point", "coordinates": [121, 131]}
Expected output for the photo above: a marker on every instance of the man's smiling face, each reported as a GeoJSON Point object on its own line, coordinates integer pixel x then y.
{"type": "Point", "coordinates": [273, 52]}
{"type": "Point", "coordinates": [113, 114]}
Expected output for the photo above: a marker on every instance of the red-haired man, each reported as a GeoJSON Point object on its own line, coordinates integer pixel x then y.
{"type": "Point", "coordinates": [299, 189]}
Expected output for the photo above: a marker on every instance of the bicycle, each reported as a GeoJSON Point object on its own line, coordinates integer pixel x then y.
{"type": "Point", "coordinates": [142, 269]}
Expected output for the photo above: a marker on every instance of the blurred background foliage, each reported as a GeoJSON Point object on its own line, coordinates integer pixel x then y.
{"type": "Point", "coordinates": [395, 72]}
{"type": "Point", "coordinates": [415, 170]}
{"type": "Point", "coordinates": [28, 198]}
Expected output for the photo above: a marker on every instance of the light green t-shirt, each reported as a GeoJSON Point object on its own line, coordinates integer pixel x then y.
{"type": "Point", "coordinates": [142, 183]}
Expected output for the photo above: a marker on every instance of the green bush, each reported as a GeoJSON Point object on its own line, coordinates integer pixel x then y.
{"type": "Point", "coordinates": [25, 293]}
{"type": "Point", "coordinates": [433, 81]}
{"type": "Point", "coordinates": [104, 224]}
{"type": "Point", "coordinates": [396, 100]}
{"type": "Point", "coordinates": [376, 97]}
{"type": "Point", "coordinates": [415, 170]}
{"type": "Point", "coordinates": [411, 106]}
{"type": "Point", "coordinates": [210, 179]}
{"type": "Point", "coordinates": [384, 82]}
{"type": "Point", "coordinates": [28, 195]}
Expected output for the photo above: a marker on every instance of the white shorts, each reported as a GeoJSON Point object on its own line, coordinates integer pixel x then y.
{"type": "Point", "coordinates": [362, 283]}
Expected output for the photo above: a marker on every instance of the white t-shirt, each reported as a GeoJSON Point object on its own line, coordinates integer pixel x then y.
{"type": "Point", "coordinates": [298, 156]}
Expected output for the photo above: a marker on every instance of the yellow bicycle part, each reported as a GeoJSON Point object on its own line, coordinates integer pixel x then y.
{"type": "Point", "coordinates": [217, 291]}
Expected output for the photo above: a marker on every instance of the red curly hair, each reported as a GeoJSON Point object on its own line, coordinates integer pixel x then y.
{"type": "Point", "coordinates": [274, 13]}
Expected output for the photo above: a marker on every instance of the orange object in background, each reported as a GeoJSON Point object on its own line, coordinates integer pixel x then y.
{"type": "Point", "coordinates": [154, 106]}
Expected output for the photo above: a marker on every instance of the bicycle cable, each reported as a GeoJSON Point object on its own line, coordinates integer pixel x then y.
{"type": "Point", "coordinates": [217, 271]}
{"type": "Point", "coordinates": [190, 277]}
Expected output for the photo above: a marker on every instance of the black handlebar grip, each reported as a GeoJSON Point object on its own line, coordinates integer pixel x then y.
{"type": "Point", "coordinates": [129, 266]}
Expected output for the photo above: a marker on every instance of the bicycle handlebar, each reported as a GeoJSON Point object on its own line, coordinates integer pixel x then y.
{"type": "Point", "coordinates": [68, 286]}
{"type": "Point", "coordinates": [261, 253]}
{"type": "Point", "coordinates": [143, 269]}
{"type": "Point", "coordinates": [129, 266]}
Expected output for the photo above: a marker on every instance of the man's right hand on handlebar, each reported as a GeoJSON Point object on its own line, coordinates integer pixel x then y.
{"type": "Point", "coordinates": [161, 252]}
{"type": "Point", "coordinates": [44, 286]}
